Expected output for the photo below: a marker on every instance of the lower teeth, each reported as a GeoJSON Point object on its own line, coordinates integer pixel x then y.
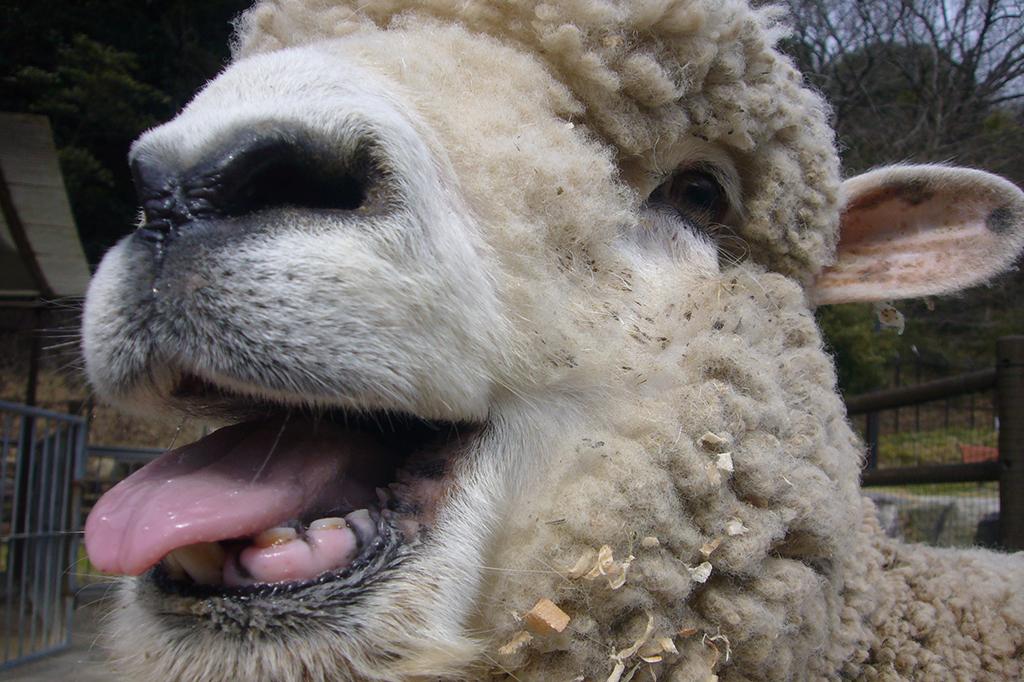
{"type": "Point", "coordinates": [275, 536]}
{"type": "Point", "coordinates": [328, 523]}
{"type": "Point", "coordinates": [362, 523]}
{"type": "Point", "coordinates": [282, 553]}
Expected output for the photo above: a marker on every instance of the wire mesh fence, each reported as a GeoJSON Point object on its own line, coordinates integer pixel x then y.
{"type": "Point", "coordinates": [933, 460]}
{"type": "Point", "coordinates": [941, 514]}
{"type": "Point", "coordinates": [952, 430]}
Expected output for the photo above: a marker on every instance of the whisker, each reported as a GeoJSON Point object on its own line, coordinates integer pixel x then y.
{"type": "Point", "coordinates": [499, 665]}
{"type": "Point", "coordinates": [517, 570]}
{"type": "Point", "coordinates": [65, 344]}
{"type": "Point", "coordinates": [273, 447]}
{"type": "Point", "coordinates": [177, 432]}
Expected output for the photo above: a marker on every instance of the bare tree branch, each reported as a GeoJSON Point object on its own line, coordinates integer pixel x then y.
{"type": "Point", "coordinates": [918, 79]}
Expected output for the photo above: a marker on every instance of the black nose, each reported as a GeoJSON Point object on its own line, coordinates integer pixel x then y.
{"type": "Point", "coordinates": [256, 171]}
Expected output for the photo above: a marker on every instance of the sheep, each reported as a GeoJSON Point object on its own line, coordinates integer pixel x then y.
{"type": "Point", "coordinates": [544, 274]}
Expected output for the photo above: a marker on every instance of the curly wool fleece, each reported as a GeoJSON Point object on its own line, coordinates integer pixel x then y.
{"type": "Point", "coordinates": [803, 584]}
{"type": "Point", "coordinates": [779, 527]}
{"type": "Point", "coordinates": [649, 75]}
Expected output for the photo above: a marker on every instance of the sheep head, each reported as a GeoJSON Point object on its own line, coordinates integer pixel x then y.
{"type": "Point", "coordinates": [543, 275]}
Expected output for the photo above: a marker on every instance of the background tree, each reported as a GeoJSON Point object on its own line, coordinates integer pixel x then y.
{"type": "Point", "coordinates": [932, 80]}
{"type": "Point", "coordinates": [104, 71]}
{"type": "Point", "coordinates": [921, 81]}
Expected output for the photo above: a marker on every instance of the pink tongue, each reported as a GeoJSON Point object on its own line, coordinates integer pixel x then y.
{"type": "Point", "coordinates": [221, 487]}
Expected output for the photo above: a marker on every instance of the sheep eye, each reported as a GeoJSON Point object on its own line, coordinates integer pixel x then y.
{"type": "Point", "coordinates": [696, 195]}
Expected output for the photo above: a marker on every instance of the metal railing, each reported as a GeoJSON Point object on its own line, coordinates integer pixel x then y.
{"type": "Point", "coordinates": [42, 455]}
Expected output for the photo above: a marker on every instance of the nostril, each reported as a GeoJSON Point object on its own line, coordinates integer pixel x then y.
{"type": "Point", "coordinates": [254, 173]}
{"type": "Point", "coordinates": [279, 173]}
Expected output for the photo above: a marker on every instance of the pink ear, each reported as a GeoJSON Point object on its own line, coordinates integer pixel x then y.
{"type": "Point", "coordinates": [910, 231]}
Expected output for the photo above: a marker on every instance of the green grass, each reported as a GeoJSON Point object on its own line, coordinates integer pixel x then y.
{"type": "Point", "coordinates": [937, 446]}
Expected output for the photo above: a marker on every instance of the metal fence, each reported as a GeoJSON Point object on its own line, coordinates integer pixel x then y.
{"type": "Point", "coordinates": [105, 467]}
{"type": "Point", "coordinates": [42, 454]}
{"type": "Point", "coordinates": [944, 457]}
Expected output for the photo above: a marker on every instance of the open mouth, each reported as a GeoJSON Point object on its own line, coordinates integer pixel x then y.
{"type": "Point", "coordinates": [284, 498]}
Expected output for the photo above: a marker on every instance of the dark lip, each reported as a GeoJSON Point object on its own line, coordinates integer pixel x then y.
{"type": "Point", "coordinates": [383, 553]}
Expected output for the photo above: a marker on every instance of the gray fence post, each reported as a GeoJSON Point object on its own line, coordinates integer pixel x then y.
{"type": "Point", "coordinates": [1010, 393]}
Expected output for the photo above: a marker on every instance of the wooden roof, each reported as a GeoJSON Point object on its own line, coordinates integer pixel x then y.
{"type": "Point", "coordinates": [40, 252]}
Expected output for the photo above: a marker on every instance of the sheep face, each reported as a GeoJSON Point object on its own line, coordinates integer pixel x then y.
{"type": "Point", "coordinates": [412, 260]}
{"type": "Point", "coordinates": [330, 248]}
